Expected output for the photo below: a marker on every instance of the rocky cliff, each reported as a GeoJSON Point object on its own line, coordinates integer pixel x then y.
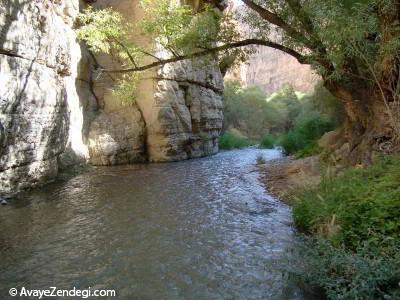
{"type": "Point", "coordinates": [177, 114]}
{"type": "Point", "coordinates": [271, 69]}
{"type": "Point", "coordinates": [55, 113]}
{"type": "Point", "coordinates": [41, 114]}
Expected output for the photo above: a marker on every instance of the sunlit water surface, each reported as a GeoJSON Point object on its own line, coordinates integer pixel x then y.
{"type": "Point", "coordinates": [198, 229]}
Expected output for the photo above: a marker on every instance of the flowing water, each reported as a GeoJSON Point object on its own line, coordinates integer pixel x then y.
{"type": "Point", "coordinates": [198, 229]}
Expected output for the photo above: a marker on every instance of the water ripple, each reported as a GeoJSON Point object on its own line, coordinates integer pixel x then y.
{"type": "Point", "coordinates": [199, 229]}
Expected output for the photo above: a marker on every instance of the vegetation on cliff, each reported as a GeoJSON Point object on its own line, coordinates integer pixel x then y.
{"type": "Point", "coordinates": [171, 29]}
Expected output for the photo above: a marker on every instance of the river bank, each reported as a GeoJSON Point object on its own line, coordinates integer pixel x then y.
{"type": "Point", "coordinates": [351, 249]}
{"type": "Point", "coordinates": [286, 176]}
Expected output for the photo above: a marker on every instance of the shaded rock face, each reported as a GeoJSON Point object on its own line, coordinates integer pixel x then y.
{"type": "Point", "coordinates": [117, 138]}
{"type": "Point", "coordinates": [39, 60]}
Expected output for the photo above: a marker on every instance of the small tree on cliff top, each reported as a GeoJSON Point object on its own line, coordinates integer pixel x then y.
{"type": "Point", "coordinates": [353, 44]}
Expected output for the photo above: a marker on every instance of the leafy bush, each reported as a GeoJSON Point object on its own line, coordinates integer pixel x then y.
{"type": "Point", "coordinates": [268, 141]}
{"type": "Point", "coordinates": [322, 101]}
{"type": "Point", "coordinates": [230, 140]}
{"type": "Point", "coordinates": [305, 133]}
{"type": "Point", "coordinates": [311, 149]}
{"type": "Point", "coordinates": [356, 219]}
{"type": "Point", "coordinates": [360, 205]}
{"type": "Point", "coordinates": [369, 273]}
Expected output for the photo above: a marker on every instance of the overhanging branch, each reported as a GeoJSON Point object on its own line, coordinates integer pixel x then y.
{"type": "Point", "coordinates": [189, 81]}
{"type": "Point", "coordinates": [314, 45]}
{"type": "Point", "coordinates": [161, 62]}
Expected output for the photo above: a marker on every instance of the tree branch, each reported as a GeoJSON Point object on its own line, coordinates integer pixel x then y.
{"type": "Point", "coordinates": [126, 49]}
{"type": "Point", "coordinates": [149, 54]}
{"type": "Point", "coordinates": [314, 45]}
{"type": "Point", "coordinates": [300, 58]}
{"type": "Point", "coordinates": [308, 25]}
{"type": "Point", "coordinates": [195, 82]}
{"type": "Point", "coordinates": [278, 21]}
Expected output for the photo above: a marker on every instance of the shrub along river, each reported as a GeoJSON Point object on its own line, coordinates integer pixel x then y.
{"type": "Point", "coordinates": [198, 229]}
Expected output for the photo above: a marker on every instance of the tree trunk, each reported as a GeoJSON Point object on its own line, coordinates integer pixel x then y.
{"type": "Point", "coordinates": [369, 125]}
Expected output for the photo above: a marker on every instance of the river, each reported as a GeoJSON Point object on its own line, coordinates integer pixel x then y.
{"type": "Point", "coordinates": [198, 229]}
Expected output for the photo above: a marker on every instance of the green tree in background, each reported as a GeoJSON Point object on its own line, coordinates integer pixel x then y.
{"type": "Point", "coordinates": [288, 103]}
{"type": "Point", "coordinates": [284, 119]}
{"type": "Point", "coordinates": [247, 110]}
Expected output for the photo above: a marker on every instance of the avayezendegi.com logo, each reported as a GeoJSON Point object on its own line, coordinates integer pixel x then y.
{"type": "Point", "coordinates": [54, 292]}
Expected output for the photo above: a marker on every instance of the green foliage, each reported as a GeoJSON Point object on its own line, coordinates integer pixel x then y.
{"type": "Point", "coordinates": [370, 273]}
{"type": "Point", "coordinates": [267, 141]}
{"type": "Point", "coordinates": [247, 110]}
{"type": "Point", "coordinates": [285, 118]}
{"type": "Point", "coordinates": [171, 24]}
{"type": "Point", "coordinates": [312, 148]}
{"type": "Point", "coordinates": [230, 140]}
{"type": "Point", "coordinates": [175, 29]}
{"type": "Point", "coordinates": [180, 30]}
{"type": "Point", "coordinates": [125, 91]}
{"type": "Point", "coordinates": [104, 31]}
{"type": "Point", "coordinates": [322, 101]}
{"type": "Point", "coordinates": [360, 205]}
{"type": "Point", "coordinates": [305, 133]}
{"type": "Point", "coordinates": [356, 220]}
{"type": "Point", "coordinates": [98, 28]}
{"type": "Point", "coordinates": [288, 104]}
{"type": "Point", "coordinates": [350, 31]}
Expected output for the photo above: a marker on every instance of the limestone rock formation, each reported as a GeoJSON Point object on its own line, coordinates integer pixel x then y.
{"type": "Point", "coordinates": [187, 111]}
{"type": "Point", "coordinates": [180, 106]}
{"type": "Point", "coordinates": [117, 138]}
{"type": "Point", "coordinates": [55, 113]}
{"type": "Point", "coordinates": [39, 67]}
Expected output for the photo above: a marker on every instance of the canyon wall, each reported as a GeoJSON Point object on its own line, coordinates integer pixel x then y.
{"type": "Point", "coordinates": [41, 114]}
{"type": "Point", "coordinates": [270, 69]}
{"type": "Point", "coordinates": [56, 113]}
